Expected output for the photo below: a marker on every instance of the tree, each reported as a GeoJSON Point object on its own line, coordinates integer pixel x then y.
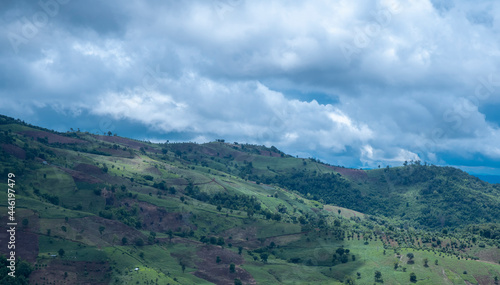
{"type": "Point", "coordinates": [23, 268]}
{"type": "Point", "coordinates": [436, 262]}
{"type": "Point", "coordinates": [213, 240]}
{"type": "Point", "coordinates": [378, 276]}
{"type": "Point", "coordinates": [396, 265]}
{"type": "Point", "coordinates": [220, 241]}
{"type": "Point", "coordinates": [101, 229]}
{"type": "Point", "coordinates": [218, 260]}
{"type": "Point", "coordinates": [139, 242]}
{"type": "Point", "coordinates": [413, 277]}
{"type": "Point", "coordinates": [340, 251]}
{"type": "Point", "coordinates": [61, 252]}
{"type": "Point", "coordinates": [240, 249]}
{"type": "Point", "coordinates": [232, 268]}
{"type": "Point", "coordinates": [344, 258]}
{"type": "Point", "coordinates": [264, 257]}
{"type": "Point", "coordinates": [410, 257]}
{"type": "Point", "coordinates": [219, 208]}
{"type": "Point", "coordinates": [25, 222]}
{"type": "Point", "coordinates": [426, 262]}
{"type": "Point", "coordinates": [237, 282]}
{"type": "Point", "coordinates": [151, 237]}
{"type": "Point", "coordinates": [170, 235]}
{"type": "Point", "coordinates": [349, 280]}
{"type": "Point", "coordinates": [124, 240]}
{"type": "Point", "coordinates": [183, 266]}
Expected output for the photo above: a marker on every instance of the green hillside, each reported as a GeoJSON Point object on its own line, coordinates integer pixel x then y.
{"type": "Point", "coordinates": [95, 209]}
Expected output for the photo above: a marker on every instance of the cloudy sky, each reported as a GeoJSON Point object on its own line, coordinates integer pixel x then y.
{"type": "Point", "coordinates": [355, 83]}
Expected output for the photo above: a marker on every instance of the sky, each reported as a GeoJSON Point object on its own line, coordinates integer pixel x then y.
{"type": "Point", "coordinates": [354, 83]}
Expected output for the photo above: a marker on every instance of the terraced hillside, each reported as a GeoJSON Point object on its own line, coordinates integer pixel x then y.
{"type": "Point", "coordinates": [95, 209]}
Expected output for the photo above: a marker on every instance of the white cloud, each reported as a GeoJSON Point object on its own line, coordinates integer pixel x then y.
{"type": "Point", "coordinates": [219, 70]}
{"type": "Point", "coordinates": [244, 110]}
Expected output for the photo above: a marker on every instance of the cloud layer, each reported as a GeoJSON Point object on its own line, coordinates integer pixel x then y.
{"type": "Point", "coordinates": [359, 83]}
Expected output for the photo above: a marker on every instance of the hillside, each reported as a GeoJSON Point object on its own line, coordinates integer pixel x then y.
{"type": "Point", "coordinates": [95, 209]}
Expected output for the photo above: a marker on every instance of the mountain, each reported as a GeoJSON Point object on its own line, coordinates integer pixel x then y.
{"type": "Point", "coordinates": [103, 209]}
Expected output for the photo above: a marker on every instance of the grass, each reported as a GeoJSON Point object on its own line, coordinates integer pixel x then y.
{"type": "Point", "coordinates": [72, 251]}
{"type": "Point", "coordinates": [44, 209]}
{"type": "Point", "coordinates": [162, 262]}
{"type": "Point", "coordinates": [157, 263]}
{"type": "Point", "coordinates": [143, 274]}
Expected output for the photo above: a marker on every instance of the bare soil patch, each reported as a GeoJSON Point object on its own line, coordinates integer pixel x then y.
{"type": "Point", "coordinates": [14, 150]}
{"type": "Point", "coordinates": [52, 138]}
{"type": "Point", "coordinates": [78, 272]}
{"type": "Point", "coordinates": [269, 153]}
{"type": "Point", "coordinates": [26, 243]}
{"type": "Point", "coordinates": [88, 168]}
{"type": "Point", "coordinates": [153, 170]}
{"type": "Point", "coordinates": [246, 237]}
{"type": "Point", "coordinates": [208, 151]}
{"type": "Point", "coordinates": [113, 233]}
{"type": "Point", "coordinates": [219, 273]}
{"type": "Point", "coordinates": [26, 237]}
{"type": "Point", "coordinates": [482, 279]}
{"type": "Point", "coordinates": [115, 152]}
{"type": "Point", "coordinates": [81, 176]}
{"type": "Point", "coordinates": [158, 219]}
{"type": "Point", "coordinates": [123, 141]}
{"type": "Point", "coordinates": [491, 254]}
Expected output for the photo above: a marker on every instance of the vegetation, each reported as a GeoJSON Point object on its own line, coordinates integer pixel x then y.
{"type": "Point", "coordinates": [110, 210]}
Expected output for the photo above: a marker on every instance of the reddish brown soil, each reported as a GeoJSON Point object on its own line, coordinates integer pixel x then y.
{"type": "Point", "coordinates": [53, 138]}
{"type": "Point", "coordinates": [115, 152]}
{"type": "Point", "coordinates": [158, 219]}
{"type": "Point", "coordinates": [208, 268]}
{"type": "Point", "coordinates": [492, 255]}
{"type": "Point", "coordinates": [355, 174]}
{"type": "Point", "coordinates": [153, 170]}
{"type": "Point", "coordinates": [88, 168]}
{"type": "Point", "coordinates": [269, 153]}
{"type": "Point", "coordinates": [113, 233]}
{"type": "Point", "coordinates": [81, 176]}
{"type": "Point", "coordinates": [26, 240]}
{"type": "Point", "coordinates": [79, 272]}
{"type": "Point", "coordinates": [208, 151]}
{"type": "Point", "coordinates": [123, 141]}
{"type": "Point", "coordinates": [240, 235]}
{"type": "Point", "coordinates": [26, 243]}
{"type": "Point", "coordinates": [481, 279]}
{"type": "Point", "coordinates": [14, 150]}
